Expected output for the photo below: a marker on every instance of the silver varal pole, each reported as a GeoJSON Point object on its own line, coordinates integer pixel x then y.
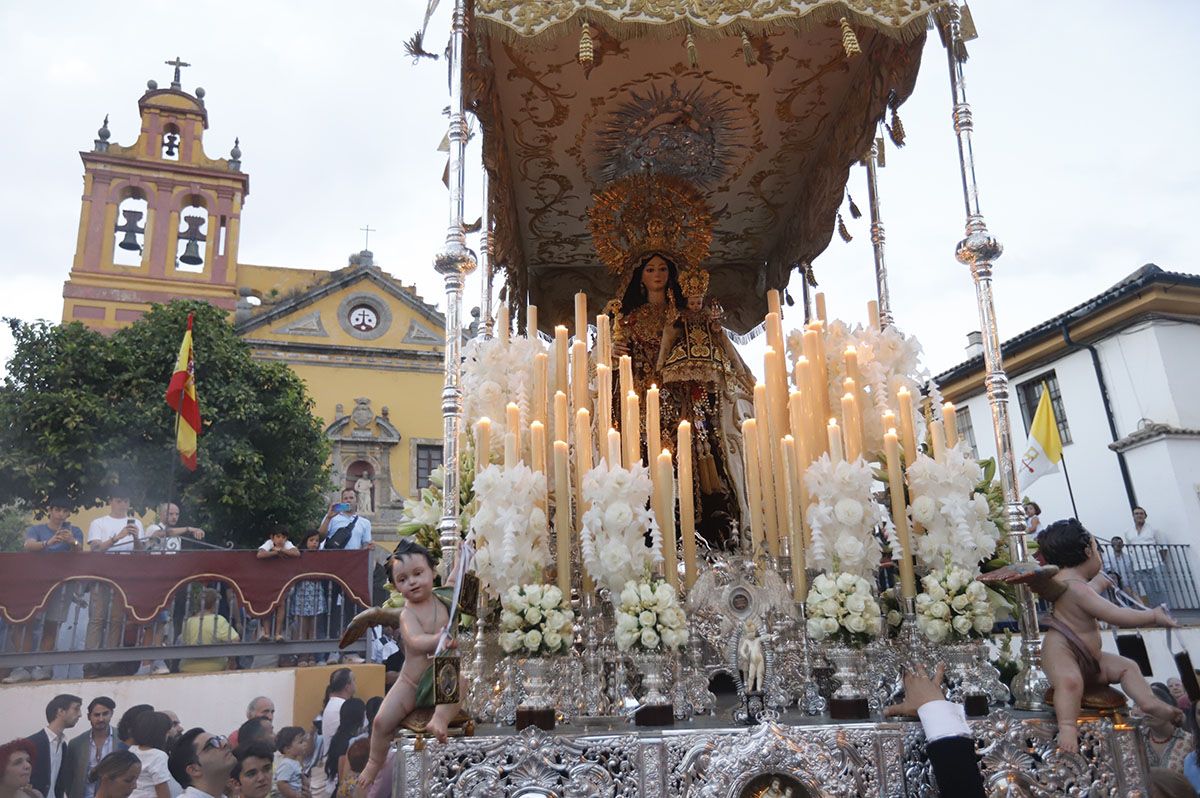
{"type": "Point", "coordinates": [454, 264]}
{"type": "Point", "coordinates": [978, 251]}
{"type": "Point", "coordinates": [486, 242]}
{"type": "Point", "coordinates": [877, 236]}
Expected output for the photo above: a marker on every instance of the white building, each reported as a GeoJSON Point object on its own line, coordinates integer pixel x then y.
{"type": "Point", "coordinates": [1123, 371]}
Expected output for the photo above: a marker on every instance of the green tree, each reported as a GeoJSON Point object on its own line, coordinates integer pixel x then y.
{"type": "Point", "coordinates": [80, 412]}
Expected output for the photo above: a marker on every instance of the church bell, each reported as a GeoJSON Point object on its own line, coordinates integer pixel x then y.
{"type": "Point", "coordinates": [131, 230]}
{"type": "Point", "coordinates": [191, 251]}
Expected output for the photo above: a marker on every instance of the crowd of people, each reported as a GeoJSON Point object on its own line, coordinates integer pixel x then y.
{"type": "Point", "coordinates": [147, 753]}
{"type": "Point", "coordinates": [198, 614]}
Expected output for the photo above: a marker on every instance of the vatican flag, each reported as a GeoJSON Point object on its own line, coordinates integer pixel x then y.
{"type": "Point", "coordinates": [1045, 446]}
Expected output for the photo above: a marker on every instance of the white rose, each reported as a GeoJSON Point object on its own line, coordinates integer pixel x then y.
{"type": "Point", "coordinates": [613, 558]}
{"type": "Point", "coordinates": [511, 598]}
{"type": "Point", "coordinates": [846, 582]}
{"type": "Point", "coordinates": [955, 580]}
{"type": "Point", "coordinates": [960, 603]}
{"type": "Point", "coordinates": [829, 625]}
{"type": "Point", "coordinates": [962, 624]}
{"type": "Point", "coordinates": [552, 640]}
{"type": "Point", "coordinates": [568, 617]}
{"type": "Point", "coordinates": [874, 623]}
{"type": "Point", "coordinates": [533, 594]}
{"type": "Point", "coordinates": [856, 623]}
{"type": "Point", "coordinates": [849, 550]}
{"type": "Point", "coordinates": [554, 619]}
{"type": "Point", "coordinates": [924, 510]}
{"type": "Point", "coordinates": [977, 592]}
{"type": "Point", "coordinates": [848, 512]}
{"type": "Point", "coordinates": [830, 608]}
{"type": "Point", "coordinates": [510, 620]}
{"type": "Point", "coordinates": [510, 641]}
{"type": "Point", "coordinates": [816, 630]}
{"type": "Point", "coordinates": [533, 615]}
{"type": "Point", "coordinates": [980, 503]}
{"type": "Point", "coordinates": [626, 622]}
{"type": "Point", "coordinates": [672, 638]}
{"type": "Point", "coordinates": [649, 638]}
{"type": "Point", "coordinates": [664, 594]}
{"type": "Point", "coordinates": [936, 593]}
{"type": "Point", "coordinates": [629, 596]}
{"type": "Point", "coordinates": [863, 588]}
{"type": "Point", "coordinates": [939, 609]}
{"type": "Point", "coordinates": [645, 593]}
{"type": "Point", "coordinates": [533, 639]}
{"type": "Point", "coordinates": [984, 623]}
{"type": "Point", "coordinates": [625, 639]}
{"type": "Point", "coordinates": [894, 618]}
{"type": "Point", "coordinates": [551, 598]}
{"type": "Point", "coordinates": [617, 516]}
{"type": "Point", "coordinates": [824, 585]}
{"type": "Point", "coordinates": [923, 601]}
{"type": "Point", "coordinates": [856, 604]}
{"type": "Point", "coordinates": [981, 607]}
{"type": "Point", "coordinates": [647, 618]}
{"type": "Point", "coordinates": [928, 581]}
{"type": "Point", "coordinates": [937, 631]}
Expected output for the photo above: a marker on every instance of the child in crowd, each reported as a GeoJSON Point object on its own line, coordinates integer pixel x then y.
{"type": "Point", "coordinates": [355, 760]}
{"type": "Point", "coordinates": [277, 546]}
{"type": "Point", "coordinates": [308, 599]}
{"type": "Point", "coordinates": [291, 743]}
{"type": "Point", "coordinates": [1071, 651]}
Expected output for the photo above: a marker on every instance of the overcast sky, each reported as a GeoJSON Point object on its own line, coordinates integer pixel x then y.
{"type": "Point", "coordinates": [1085, 112]}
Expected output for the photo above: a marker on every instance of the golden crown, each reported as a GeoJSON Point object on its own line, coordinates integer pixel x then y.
{"type": "Point", "coordinates": [645, 214]}
{"type": "Point", "coordinates": [694, 281]}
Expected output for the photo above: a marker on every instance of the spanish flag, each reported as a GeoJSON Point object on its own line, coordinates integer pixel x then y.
{"type": "Point", "coordinates": [181, 396]}
{"type": "Point", "coordinates": [1045, 446]}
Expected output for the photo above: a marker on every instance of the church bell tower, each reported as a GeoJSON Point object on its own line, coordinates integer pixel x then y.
{"type": "Point", "coordinates": [160, 219]}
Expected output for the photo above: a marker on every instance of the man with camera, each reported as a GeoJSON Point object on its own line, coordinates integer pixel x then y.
{"type": "Point", "coordinates": [119, 532]}
{"type": "Point", "coordinates": [342, 527]}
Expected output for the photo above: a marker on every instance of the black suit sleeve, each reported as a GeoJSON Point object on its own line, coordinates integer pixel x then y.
{"type": "Point", "coordinates": [40, 779]}
{"type": "Point", "coordinates": [956, 767]}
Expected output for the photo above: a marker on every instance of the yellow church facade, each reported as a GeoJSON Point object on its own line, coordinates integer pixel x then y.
{"type": "Point", "coordinates": [161, 220]}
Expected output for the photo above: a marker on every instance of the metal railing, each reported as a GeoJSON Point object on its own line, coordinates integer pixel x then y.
{"type": "Point", "coordinates": [95, 634]}
{"type": "Point", "coordinates": [1154, 574]}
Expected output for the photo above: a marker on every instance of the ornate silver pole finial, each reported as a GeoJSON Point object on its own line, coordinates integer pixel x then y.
{"type": "Point", "coordinates": [978, 251]}
{"type": "Point", "coordinates": [877, 235]}
{"type": "Point", "coordinates": [454, 264]}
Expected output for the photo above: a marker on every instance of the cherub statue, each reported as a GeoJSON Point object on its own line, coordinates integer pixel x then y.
{"type": "Point", "coordinates": [750, 659]}
{"type": "Point", "coordinates": [1071, 652]}
{"type": "Point", "coordinates": [362, 489]}
{"type": "Point", "coordinates": [775, 790]}
{"type": "Point", "coordinates": [422, 621]}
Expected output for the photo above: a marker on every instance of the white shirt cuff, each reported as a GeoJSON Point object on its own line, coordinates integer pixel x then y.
{"type": "Point", "coordinates": [942, 719]}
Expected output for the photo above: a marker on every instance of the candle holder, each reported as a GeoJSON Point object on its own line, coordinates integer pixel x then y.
{"type": "Point", "coordinates": [808, 695]}
{"type": "Point", "coordinates": [593, 699]}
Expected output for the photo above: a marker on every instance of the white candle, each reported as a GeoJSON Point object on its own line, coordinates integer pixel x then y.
{"type": "Point", "coordinates": [626, 374]}
{"type": "Point", "coordinates": [561, 355]}
{"type": "Point", "coordinates": [583, 464]}
{"type": "Point", "coordinates": [937, 437]}
{"type": "Point", "coordinates": [604, 340]}
{"type": "Point", "coordinates": [766, 473]}
{"type": "Point", "coordinates": [653, 431]}
{"type": "Point", "coordinates": [907, 433]}
{"type": "Point", "coordinates": [614, 449]}
{"type": "Point", "coordinates": [666, 516]}
{"type": "Point", "coordinates": [834, 436]}
{"type": "Point", "coordinates": [512, 413]}
{"type": "Point", "coordinates": [581, 317]}
{"type": "Point", "coordinates": [891, 447]}
{"type": "Point", "coordinates": [580, 396]}
{"type": "Point", "coordinates": [562, 517]}
{"type": "Point", "coordinates": [821, 307]}
{"type": "Point", "coordinates": [502, 323]}
{"type": "Point", "coordinates": [632, 435]}
{"type": "Point", "coordinates": [687, 503]}
{"type": "Point", "coordinates": [753, 483]}
{"type": "Point", "coordinates": [483, 443]}
{"type": "Point", "coordinates": [560, 416]}
{"type": "Point", "coordinates": [873, 313]}
{"type": "Point", "coordinates": [537, 446]}
{"type": "Point", "coordinates": [510, 451]}
{"type": "Point", "coordinates": [531, 322]}
{"type": "Point", "coordinates": [950, 419]}
{"type": "Point", "coordinates": [541, 375]}
{"type": "Point", "coordinates": [796, 540]}
{"type": "Point", "coordinates": [604, 392]}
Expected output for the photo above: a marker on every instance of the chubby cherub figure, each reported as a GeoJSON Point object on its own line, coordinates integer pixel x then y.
{"type": "Point", "coordinates": [1071, 652]}
{"type": "Point", "coordinates": [750, 659]}
{"type": "Point", "coordinates": [421, 622]}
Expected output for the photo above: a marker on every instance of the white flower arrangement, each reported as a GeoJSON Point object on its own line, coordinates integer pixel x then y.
{"type": "Point", "coordinates": [843, 516]}
{"type": "Point", "coordinates": [420, 517]}
{"type": "Point", "coordinates": [887, 361]}
{"type": "Point", "coordinates": [842, 608]}
{"type": "Point", "coordinates": [953, 606]}
{"type": "Point", "coordinates": [509, 528]}
{"type": "Point", "coordinates": [650, 618]}
{"type": "Point", "coordinates": [535, 620]}
{"type": "Point", "coordinates": [613, 540]}
{"type": "Point", "coordinates": [958, 530]}
{"type": "Point", "coordinates": [495, 372]}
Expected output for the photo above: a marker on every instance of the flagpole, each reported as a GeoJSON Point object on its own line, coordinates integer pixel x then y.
{"type": "Point", "coordinates": [1063, 459]}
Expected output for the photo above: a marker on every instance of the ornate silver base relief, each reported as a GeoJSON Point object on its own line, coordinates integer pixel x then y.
{"type": "Point", "coordinates": [1018, 757]}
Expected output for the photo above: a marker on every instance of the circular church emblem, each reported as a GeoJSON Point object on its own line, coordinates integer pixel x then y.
{"type": "Point", "coordinates": [363, 318]}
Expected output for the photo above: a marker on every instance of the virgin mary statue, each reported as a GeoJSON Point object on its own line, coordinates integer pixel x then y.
{"type": "Point", "coordinates": [653, 232]}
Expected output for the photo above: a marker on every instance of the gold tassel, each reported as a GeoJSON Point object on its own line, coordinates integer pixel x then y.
{"type": "Point", "coordinates": [854, 211]}
{"type": "Point", "coordinates": [849, 40]}
{"type": "Point", "coordinates": [842, 231]}
{"type": "Point", "coordinates": [747, 50]}
{"type": "Point", "coordinates": [896, 129]}
{"type": "Point", "coordinates": [693, 57]}
{"type": "Point", "coordinates": [587, 53]}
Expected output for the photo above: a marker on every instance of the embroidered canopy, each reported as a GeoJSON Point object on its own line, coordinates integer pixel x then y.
{"type": "Point", "coordinates": [755, 102]}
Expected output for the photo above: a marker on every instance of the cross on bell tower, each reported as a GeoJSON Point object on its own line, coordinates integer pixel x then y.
{"type": "Point", "coordinates": [177, 63]}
